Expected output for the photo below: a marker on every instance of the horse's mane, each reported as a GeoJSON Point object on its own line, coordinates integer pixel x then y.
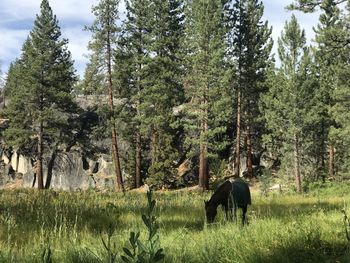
{"type": "Point", "coordinates": [221, 194]}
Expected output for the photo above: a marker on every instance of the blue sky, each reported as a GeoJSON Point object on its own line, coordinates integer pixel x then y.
{"type": "Point", "coordinates": [17, 17]}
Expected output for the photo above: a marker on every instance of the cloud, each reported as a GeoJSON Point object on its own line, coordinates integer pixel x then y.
{"type": "Point", "coordinates": [11, 44]}
{"type": "Point", "coordinates": [17, 17]}
{"type": "Point", "coordinates": [64, 9]}
{"type": "Point", "coordinates": [78, 41]}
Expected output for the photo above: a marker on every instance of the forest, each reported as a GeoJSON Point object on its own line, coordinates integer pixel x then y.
{"type": "Point", "coordinates": [188, 84]}
{"type": "Point", "coordinates": [178, 95]}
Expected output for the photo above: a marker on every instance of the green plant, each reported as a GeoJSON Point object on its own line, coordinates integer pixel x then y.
{"type": "Point", "coordinates": [346, 221]}
{"type": "Point", "coordinates": [109, 246]}
{"type": "Point", "coordinates": [265, 182]}
{"type": "Point", "coordinates": [46, 256]}
{"type": "Point", "coordinates": [150, 250]}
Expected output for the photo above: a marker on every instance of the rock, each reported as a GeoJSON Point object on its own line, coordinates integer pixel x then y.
{"type": "Point", "coordinates": [143, 189]}
{"type": "Point", "coordinates": [184, 168]}
{"type": "Point", "coordinates": [20, 163]}
{"type": "Point", "coordinates": [276, 187]}
{"type": "Point", "coordinates": [7, 173]}
{"type": "Point", "coordinates": [4, 123]}
{"type": "Point", "coordinates": [268, 161]}
{"type": "Point", "coordinates": [69, 173]}
{"type": "Point", "coordinates": [90, 101]}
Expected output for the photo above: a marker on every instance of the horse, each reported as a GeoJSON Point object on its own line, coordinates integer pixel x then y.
{"type": "Point", "coordinates": [231, 196]}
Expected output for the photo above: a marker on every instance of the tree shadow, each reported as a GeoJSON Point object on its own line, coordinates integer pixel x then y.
{"type": "Point", "coordinates": [297, 252]}
{"type": "Point", "coordinates": [285, 211]}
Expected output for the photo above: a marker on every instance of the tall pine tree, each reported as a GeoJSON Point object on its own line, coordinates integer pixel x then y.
{"type": "Point", "coordinates": [327, 61]}
{"type": "Point", "coordinates": [251, 46]}
{"type": "Point", "coordinates": [45, 85]}
{"type": "Point", "coordinates": [103, 42]}
{"type": "Point", "coordinates": [335, 37]}
{"type": "Point", "coordinates": [309, 6]}
{"type": "Point", "coordinates": [208, 98]}
{"type": "Point", "coordinates": [333, 42]}
{"type": "Point", "coordinates": [163, 90]}
{"type": "Point", "coordinates": [132, 58]}
{"type": "Point", "coordinates": [286, 104]}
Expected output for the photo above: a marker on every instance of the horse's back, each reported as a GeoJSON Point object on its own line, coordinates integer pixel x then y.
{"type": "Point", "coordinates": [241, 193]}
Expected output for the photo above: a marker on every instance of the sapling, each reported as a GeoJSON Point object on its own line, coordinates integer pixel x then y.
{"type": "Point", "coordinates": [148, 251]}
{"type": "Point", "coordinates": [346, 225]}
{"type": "Point", "coordinates": [46, 256]}
{"type": "Point", "coordinates": [109, 246]}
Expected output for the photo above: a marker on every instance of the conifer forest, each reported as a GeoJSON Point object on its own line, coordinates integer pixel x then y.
{"type": "Point", "coordinates": [177, 97]}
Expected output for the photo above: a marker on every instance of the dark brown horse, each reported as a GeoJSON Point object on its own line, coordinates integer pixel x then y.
{"type": "Point", "coordinates": [230, 196]}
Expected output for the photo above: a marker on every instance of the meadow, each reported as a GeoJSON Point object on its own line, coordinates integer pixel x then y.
{"type": "Point", "coordinates": [48, 226]}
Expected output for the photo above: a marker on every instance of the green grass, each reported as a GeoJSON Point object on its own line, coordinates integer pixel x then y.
{"type": "Point", "coordinates": [283, 228]}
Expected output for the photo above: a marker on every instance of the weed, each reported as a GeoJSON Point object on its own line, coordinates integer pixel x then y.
{"type": "Point", "coordinates": [148, 251]}
{"type": "Point", "coordinates": [46, 256]}
{"type": "Point", "coordinates": [346, 222]}
{"type": "Point", "coordinates": [110, 246]}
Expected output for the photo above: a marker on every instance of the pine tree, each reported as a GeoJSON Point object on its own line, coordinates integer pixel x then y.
{"type": "Point", "coordinates": [333, 40]}
{"type": "Point", "coordinates": [93, 81]}
{"type": "Point", "coordinates": [132, 58]}
{"type": "Point", "coordinates": [327, 58]}
{"type": "Point", "coordinates": [309, 6]}
{"type": "Point", "coordinates": [43, 97]}
{"type": "Point", "coordinates": [19, 131]}
{"type": "Point", "coordinates": [339, 109]}
{"type": "Point", "coordinates": [251, 45]}
{"type": "Point", "coordinates": [105, 31]}
{"type": "Point", "coordinates": [206, 92]}
{"type": "Point", "coordinates": [286, 103]}
{"type": "Point", "coordinates": [163, 90]}
{"type": "Point", "coordinates": [12, 79]}
{"type": "Point", "coordinates": [149, 80]}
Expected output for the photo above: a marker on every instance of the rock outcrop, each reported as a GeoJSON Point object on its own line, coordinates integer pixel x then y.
{"type": "Point", "coordinates": [64, 171]}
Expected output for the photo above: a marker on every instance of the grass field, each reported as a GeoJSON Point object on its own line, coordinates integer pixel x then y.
{"type": "Point", "coordinates": [70, 226]}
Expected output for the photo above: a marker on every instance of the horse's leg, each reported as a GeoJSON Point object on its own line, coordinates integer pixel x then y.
{"type": "Point", "coordinates": [244, 218]}
{"type": "Point", "coordinates": [228, 212]}
{"type": "Point", "coordinates": [229, 209]}
{"type": "Point", "coordinates": [226, 207]}
{"type": "Point", "coordinates": [235, 212]}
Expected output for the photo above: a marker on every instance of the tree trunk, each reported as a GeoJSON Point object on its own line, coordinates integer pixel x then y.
{"type": "Point", "coordinates": [116, 159]}
{"type": "Point", "coordinates": [249, 152]}
{"type": "Point", "coordinates": [203, 157]}
{"type": "Point", "coordinates": [115, 154]}
{"type": "Point", "coordinates": [39, 163]}
{"type": "Point", "coordinates": [138, 161]}
{"type": "Point", "coordinates": [203, 167]}
{"type": "Point", "coordinates": [50, 167]}
{"type": "Point", "coordinates": [331, 161]}
{"type": "Point", "coordinates": [323, 146]}
{"type": "Point", "coordinates": [138, 153]}
{"type": "Point", "coordinates": [17, 161]}
{"type": "Point", "coordinates": [236, 172]}
{"type": "Point", "coordinates": [154, 146]}
{"type": "Point", "coordinates": [297, 164]}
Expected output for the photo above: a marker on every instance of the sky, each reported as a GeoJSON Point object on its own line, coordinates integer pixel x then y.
{"type": "Point", "coordinates": [17, 18]}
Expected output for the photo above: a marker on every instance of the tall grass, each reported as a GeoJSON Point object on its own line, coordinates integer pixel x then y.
{"type": "Point", "coordinates": [71, 226]}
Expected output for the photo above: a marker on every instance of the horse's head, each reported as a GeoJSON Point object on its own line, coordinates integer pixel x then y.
{"type": "Point", "coordinates": [210, 212]}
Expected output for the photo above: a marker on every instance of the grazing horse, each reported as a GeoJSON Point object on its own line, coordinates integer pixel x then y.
{"type": "Point", "coordinates": [230, 196]}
